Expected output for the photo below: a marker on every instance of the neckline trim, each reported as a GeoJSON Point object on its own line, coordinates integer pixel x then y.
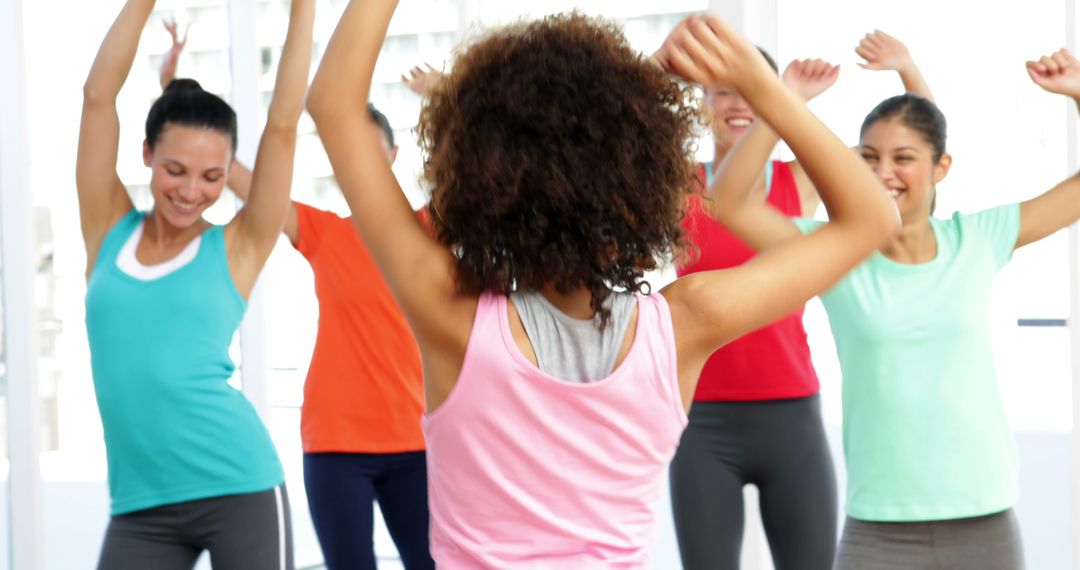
{"type": "Point", "coordinates": [128, 263]}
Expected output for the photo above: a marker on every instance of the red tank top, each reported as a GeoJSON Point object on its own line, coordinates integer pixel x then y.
{"type": "Point", "coordinates": [770, 363]}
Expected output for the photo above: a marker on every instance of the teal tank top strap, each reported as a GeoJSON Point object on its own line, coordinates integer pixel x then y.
{"type": "Point", "coordinates": [116, 237]}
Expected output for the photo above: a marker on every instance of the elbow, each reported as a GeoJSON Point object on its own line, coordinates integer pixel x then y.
{"type": "Point", "coordinates": [724, 211]}
{"type": "Point", "coordinates": [316, 103]}
{"type": "Point", "coordinates": [282, 119]}
{"type": "Point", "coordinates": [95, 94]}
{"type": "Point", "coordinates": [281, 129]}
{"type": "Point", "coordinates": [888, 223]}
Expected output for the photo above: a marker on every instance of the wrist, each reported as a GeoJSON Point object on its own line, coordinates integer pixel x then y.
{"type": "Point", "coordinates": [908, 68]}
{"type": "Point", "coordinates": [759, 80]}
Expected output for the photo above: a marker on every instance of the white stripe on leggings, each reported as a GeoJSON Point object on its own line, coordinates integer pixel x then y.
{"type": "Point", "coordinates": [280, 527]}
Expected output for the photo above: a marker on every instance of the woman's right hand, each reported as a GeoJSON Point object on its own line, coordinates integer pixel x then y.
{"type": "Point", "coordinates": [703, 49]}
{"type": "Point", "coordinates": [883, 52]}
{"type": "Point", "coordinates": [810, 77]}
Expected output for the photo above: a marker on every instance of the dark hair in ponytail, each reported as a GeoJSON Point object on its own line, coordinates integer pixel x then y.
{"type": "Point", "coordinates": [918, 114]}
{"type": "Point", "coordinates": [184, 102]}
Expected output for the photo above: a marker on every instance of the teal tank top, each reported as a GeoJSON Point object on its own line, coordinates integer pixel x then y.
{"type": "Point", "coordinates": [175, 430]}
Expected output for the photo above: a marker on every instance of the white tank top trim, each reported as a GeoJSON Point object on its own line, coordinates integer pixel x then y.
{"type": "Point", "coordinates": [129, 264]}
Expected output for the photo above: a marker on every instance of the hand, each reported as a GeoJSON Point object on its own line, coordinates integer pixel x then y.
{"type": "Point", "coordinates": [423, 81]}
{"type": "Point", "coordinates": [172, 57]}
{"type": "Point", "coordinates": [177, 43]}
{"type": "Point", "coordinates": [883, 52]}
{"type": "Point", "coordinates": [810, 77]}
{"type": "Point", "coordinates": [1058, 73]}
{"type": "Point", "coordinates": [703, 49]}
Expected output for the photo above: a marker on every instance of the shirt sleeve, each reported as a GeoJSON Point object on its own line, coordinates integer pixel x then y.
{"type": "Point", "coordinates": [807, 225]}
{"type": "Point", "coordinates": [1000, 226]}
{"type": "Point", "coordinates": [311, 224]}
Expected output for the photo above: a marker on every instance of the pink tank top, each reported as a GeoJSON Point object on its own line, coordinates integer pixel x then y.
{"type": "Point", "coordinates": [529, 471]}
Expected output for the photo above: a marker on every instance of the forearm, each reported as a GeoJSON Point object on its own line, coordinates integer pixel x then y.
{"type": "Point", "coordinates": [117, 53]}
{"type": "Point", "coordinates": [914, 82]}
{"type": "Point", "coordinates": [736, 174]}
{"type": "Point", "coordinates": [271, 179]}
{"type": "Point", "coordinates": [848, 188]}
{"type": "Point", "coordinates": [291, 83]}
{"type": "Point", "coordinates": [168, 68]}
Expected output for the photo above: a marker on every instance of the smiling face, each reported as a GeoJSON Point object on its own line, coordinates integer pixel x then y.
{"type": "Point", "coordinates": [904, 161]}
{"type": "Point", "coordinates": [731, 115]}
{"type": "Point", "coordinates": [189, 166]}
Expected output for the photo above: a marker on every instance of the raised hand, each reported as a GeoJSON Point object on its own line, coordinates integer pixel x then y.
{"type": "Point", "coordinates": [172, 57]}
{"type": "Point", "coordinates": [703, 49]}
{"type": "Point", "coordinates": [810, 77]}
{"type": "Point", "coordinates": [178, 43]}
{"type": "Point", "coordinates": [883, 52]}
{"type": "Point", "coordinates": [1058, 73]}
{"type": "Point", "coordinates": [421, 81]}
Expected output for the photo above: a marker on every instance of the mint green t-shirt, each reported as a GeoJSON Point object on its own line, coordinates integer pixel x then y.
{"type": "Point", "coordinates": [925, 436]}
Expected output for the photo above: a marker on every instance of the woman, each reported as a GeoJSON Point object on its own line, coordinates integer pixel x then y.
{"type": "Point", "coordinates": [931, 465]}
{"type": "Point", "coordinates": [560, 166]}
{"type": "Point", "coordinates": [191, 467]}
{"type": "Point", "coordinates": [363, 395]}
{"type": "Point", "coordinates": [757, 415]}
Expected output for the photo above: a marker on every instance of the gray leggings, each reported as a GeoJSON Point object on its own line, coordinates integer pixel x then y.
{"type": "Point", "coordinates": [777, 445]}
{"type": "Point", "coordinates": [242, 532]}
{"type": "Point", "coordinates": [990, 542]}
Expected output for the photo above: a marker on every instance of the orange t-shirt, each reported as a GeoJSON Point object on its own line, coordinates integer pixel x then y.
{"type": "Point", "coordinates": [364, 391]}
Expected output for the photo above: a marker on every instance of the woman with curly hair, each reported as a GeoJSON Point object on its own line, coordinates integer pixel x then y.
{"type": "Point", "coordinates": [560, 163]}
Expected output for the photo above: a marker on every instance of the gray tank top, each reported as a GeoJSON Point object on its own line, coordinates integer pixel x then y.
{"type": "Point", "coordinates": [572, 349]}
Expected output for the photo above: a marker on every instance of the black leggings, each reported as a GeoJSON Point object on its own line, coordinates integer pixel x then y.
{"type": "Point", "coordinates": [780, 447]}
{"type": "Point", "coordinates": [242, 532]}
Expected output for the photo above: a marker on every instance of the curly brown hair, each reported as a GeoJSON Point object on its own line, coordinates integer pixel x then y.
{"type": "Point", "coordinates": [558, 155]}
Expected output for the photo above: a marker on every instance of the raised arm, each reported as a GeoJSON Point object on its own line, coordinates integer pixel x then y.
{"type": "Point", "coordinates": [732, 199]}
{"type": "Point", "coordinates": [102, 197]}
{"type": "Point", "coordinates": [239, 182]}
{"type": "Point", "coordinates": [417, 268]}
{"type": "Point", "coordinates": [254, 231]}
{"type": "Point", "coordinates": [1059, 207]}
{"type": "Point", "coordinates": [883, 52]}
{"type": "Point", "coordinates": [712, 308]}
{"type": "Point", "coordinates": [172, 58]}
